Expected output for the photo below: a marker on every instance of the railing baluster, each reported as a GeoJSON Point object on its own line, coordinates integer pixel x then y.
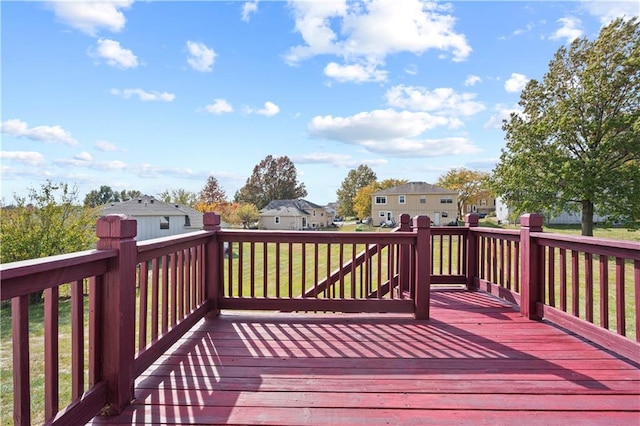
{"type": "Point", "coordinates": [180, 272]}
{"type": "Point", "coordinates": [604, 291]}
{"type": "Point", "coordinates": [240, 269]}
{"type": "Point", "coordinates": [142, 306]}
{"type": "Point", "coordinates": [21, 382]}
{"type": "Point", "coordinates": [353, 273]}
{"type": "Point", "coordinates": [341, 270]}
{"type": "Point", "coordinates": [620, 297]}
{"type": "Point", "coordinates": [265, 270]}
{"type": "Point", "coordinates": [575, 283]}
{"type": "Point", "coordinates": [252, 269]}
{"type": "Point", "coordinates": [588, 277]}
{"type": "Point", "coordinates": [51, 319]}
{"type": "Point", "coordinates": [636, 279]}
{"type": "Point", "coordinates": [278, 270]}
{"type": "Point", "coordinates": [563, 280]}
{"type": "Point", "coordinates": [165, 294]}
{"type": "Point", "coordinates": [290, 270]}
{"type": "Point", "coordinates": [77, 339]}
{"type": "Point", "coordinates": [174, 288]}
{"type": "Point", "coordinates": [552, 277]}
{"type": "Point", "coordinates": [155, 297]}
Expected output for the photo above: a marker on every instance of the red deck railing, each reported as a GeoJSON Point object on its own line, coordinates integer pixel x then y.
{"type": "Point", "coordinates": [130, 301]}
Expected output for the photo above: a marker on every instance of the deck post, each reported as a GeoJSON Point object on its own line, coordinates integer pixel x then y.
{"type": "Point", "coordinates": [213, 268]}
{"type": "Point", "coordinates": [530, 266]}
{"type": "Point", "coordinates": [422, 265]}
{"type": "Point", "coordinates": [405, 260]}
{"type": "Point", "coordinates": [117, 317]}
{"type": "Point", "coordinates": [471, 221]}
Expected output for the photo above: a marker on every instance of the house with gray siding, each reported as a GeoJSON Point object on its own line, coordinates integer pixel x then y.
{"type": "Point", "coordinates": [156, 218]}
{"type": "Point", "coordinates": [294, 215]}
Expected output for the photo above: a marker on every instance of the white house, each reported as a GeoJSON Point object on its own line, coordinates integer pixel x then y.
{"type": "Point", "coordinates": [564, 218]}
{"type": "Point", "coordinates": [294, 215]}
{"type": "Point", "coordinates": [156, 218]}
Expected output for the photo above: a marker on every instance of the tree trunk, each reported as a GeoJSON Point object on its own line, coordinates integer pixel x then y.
{"type": "Point", "coordinates": [587, 218]}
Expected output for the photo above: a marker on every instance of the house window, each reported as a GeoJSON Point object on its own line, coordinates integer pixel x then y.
{"type": "Point", "coordinates": [187, 220]}
{"type": "Point", "coordinates": [446, 200]}
{"type": "Point", "coordinates": [382, 214]}
{"type": "Point", "coordinates": [314, 212]}
{"type": "Point", "coordinates": [423, 200]}
{"type": "Point", "coordinates": [164, 222]}
{"type": "Point", "coordinates": [276, 219]}
{"type": "Point", "coordinates": [444, 214]}
{"type": "Point", "coordinates": [381, 200]}
{"type": "Point", "coordinates": [401, 199]}
{"type": "Point", "coordinates": [483, 202]}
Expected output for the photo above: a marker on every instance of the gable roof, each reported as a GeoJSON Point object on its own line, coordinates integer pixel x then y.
{"type": "Point", "coordinates": [149, 206]}
{"type": "Point", "coordinates": [415, 188]}
{"type": "Point", "coordinates": [297, 207]}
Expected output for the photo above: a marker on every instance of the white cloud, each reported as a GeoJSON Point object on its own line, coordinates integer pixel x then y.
{"type": "Point", "coordinates": [337, 160]}
{"type": "Point", "coordinates": [607, 11]}
{"type": "Point", "coordinates": [516, 83]}
{"type": "Point", "coordinates": [472, 80]}
{"type": "Point", "coordinates": [106, 146]}
{"type": "Point", "coordinates": [114, 54]}
{"type": "Point", "coordinates": [377, 124]}
{"type": "Point", "coordinates": [570, 29]}
{"type": "Point", "coordinates": [369, 31]}
{"type": "Point", "coordinates": [201, 57]}
{"type": "Point", "coordinates": [270, 109]}
{"type": "Point", "coordinates": [54, 134]}
{"type": "Point", "coordinates": [219, 106]}
{"type": "Point", "coordinates": [248, 8]}
{"type": "Point", "coordinates": [442, 100]}
{"type": "Point", "coordinates": [83, 156]}
{"type": "Point", "coordinates": [501, 112]}
{"type": "Point", "coordinates": [357, 73]}
{"type": "Point", "coordinates": [90, 16]}
{"type": "Point", "coordinates": [144, 95]}
{"type": "Point", "coordinates": [30, 158]}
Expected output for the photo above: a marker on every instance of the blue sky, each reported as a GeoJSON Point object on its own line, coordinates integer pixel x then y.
{"type": "Point", "coordinates": [158, 95]}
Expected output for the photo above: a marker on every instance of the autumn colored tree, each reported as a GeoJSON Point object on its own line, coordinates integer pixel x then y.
{"type": "Point", "coordinates": [212, 192]}
{"type": "Point", "coordinates": [272, 179]}
{"type": "Point", "coordinates": [469, 184]}
{"type": "Point", "coordinates": [576, 144]}
{"type": "Point", "coordinates": [362, 200]}
{"type": "Point", "coordinates": [356, 179]}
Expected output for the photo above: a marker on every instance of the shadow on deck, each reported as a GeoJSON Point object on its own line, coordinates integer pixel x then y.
{"type": "Point", "coordinates": [476, 361]}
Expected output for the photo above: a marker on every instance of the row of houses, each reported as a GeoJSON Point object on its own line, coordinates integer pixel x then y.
{"type": "Point", "coordinates": [159, 219]}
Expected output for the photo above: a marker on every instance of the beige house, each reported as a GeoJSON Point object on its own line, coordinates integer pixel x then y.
{"type": "Point", "coordinates": [414, 198]}
{"type": "Point", "coordinates": [483, 205]}
{"type": "Point", "coordinates": [294, 215]}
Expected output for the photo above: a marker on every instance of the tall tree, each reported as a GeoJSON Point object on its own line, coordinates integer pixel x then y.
{"type": "Point", "coordinates": [47, 222]}
{"type": "Point", "coordinates": [272, 179]}
{"type": "Point", "coordinates": [356, 179]}
{"type": "Point", "coordinates": [179, 196]}
{"type": "Point", "coordinates": [469, 184]}
{"type": "Point", "coordinates": [212, 192]}
{"type": "Point", "coordinates": [104, 195]}
{"type": "Point", "coordinates": [576, 144]}
{"type": "Point", "coordinates": [129, 194]}
{"type": "Point", "coordinates": [362, 200]}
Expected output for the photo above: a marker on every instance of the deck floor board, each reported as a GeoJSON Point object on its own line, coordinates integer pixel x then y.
{"type": "Point", "coordinates": [476, 361]}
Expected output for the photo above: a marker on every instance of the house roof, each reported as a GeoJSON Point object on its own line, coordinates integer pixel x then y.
{"type": "Point", "coordinates": [297, 207]}
{"type": "Point", "coordinates": [149, 206]}
{"type": "Point", "coordinates": [415, 188]}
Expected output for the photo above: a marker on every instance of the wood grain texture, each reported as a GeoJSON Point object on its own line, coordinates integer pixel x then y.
{"type": "Point", "coordinates": [476, 361]}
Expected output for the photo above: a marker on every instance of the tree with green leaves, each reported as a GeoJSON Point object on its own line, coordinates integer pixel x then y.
{"type": "Point", "coordinates": [576, 144]}
{"type": "Point", "coordinates": [469, 184]}
{"type": "Point", "coordinates": [356, 179]}
{"type": "Point", "coordinates": [126, 195]}
{"type": "Point", "coordinates": [362, 200]}
{"type": "Point", "coordinates": [246, 214]}
{"type": "Point", "coordinates": [272, 179]}
{"type": "Point", "coordinates": [178, 196]}
{"type": "Point", "coordinates": [48, 221]}
{"type": "Point", "coordinates": [99, 197]}
{"type": "Point", "coordinates": [212, 193]}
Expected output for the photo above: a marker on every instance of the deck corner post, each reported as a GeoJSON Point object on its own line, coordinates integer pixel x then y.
{"type": "Point", "coordinates": [405, 259]}
{"type": "Point", "coordinates": [471, 221]}
{"type": "Point", "coordinates": [422, 265]}
{"type": "Point", "coordinates": [117, 316]}
{"type": "Point", "coordinates": [213, 268]}
{"type": "Point", "coordinates": [530, 267]}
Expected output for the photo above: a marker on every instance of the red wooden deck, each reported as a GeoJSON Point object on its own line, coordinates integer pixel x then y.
{"type": "Point", "coordinates": [476, 361]}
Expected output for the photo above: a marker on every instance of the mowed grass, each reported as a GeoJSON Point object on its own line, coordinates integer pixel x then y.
{"type": "Point", "coordinates": [292, 285]}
